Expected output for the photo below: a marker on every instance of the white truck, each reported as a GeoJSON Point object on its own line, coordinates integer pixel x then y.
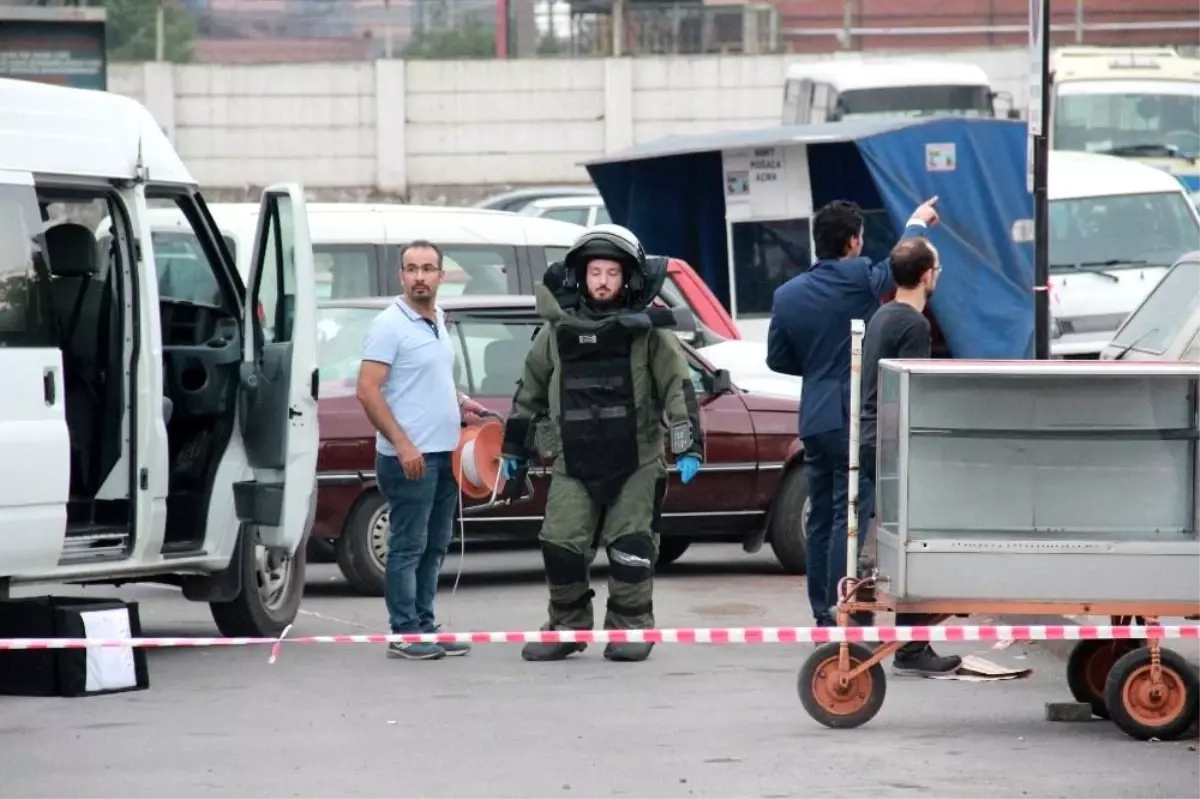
{"type": "Point", "coordinates": [145, 437]}
{"type": "Point", "coordinates": [829, 91]}
{"type": "Point", "coordinates": [1139, 103]}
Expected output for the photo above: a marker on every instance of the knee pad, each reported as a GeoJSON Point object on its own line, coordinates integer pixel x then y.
{"type": "Point", "coordinates": [631, 557]}
{"type": "Point", "coordinates": [563, 566]}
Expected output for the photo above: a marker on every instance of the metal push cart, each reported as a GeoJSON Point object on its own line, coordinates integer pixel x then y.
{"type": "Point", "coordinates": [1038, 487]}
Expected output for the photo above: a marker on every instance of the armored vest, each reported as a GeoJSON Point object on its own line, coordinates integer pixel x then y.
{"type": "Point", "coordinates": [599, 429]}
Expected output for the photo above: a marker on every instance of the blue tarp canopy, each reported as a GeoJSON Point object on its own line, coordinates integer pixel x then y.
{"type": "Point", "coordinates": [671, 193]}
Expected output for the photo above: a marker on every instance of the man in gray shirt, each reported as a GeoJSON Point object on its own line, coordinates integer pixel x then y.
{"type": "Point", "coordinates": [406, 386]}
{"type": "Point", "coordinates": [900, 330]}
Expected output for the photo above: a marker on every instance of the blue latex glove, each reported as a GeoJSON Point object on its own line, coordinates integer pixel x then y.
{"type": "Point", "coordinates": [509, 467]}
{"type": "Point", "coordinates": [688, 466]}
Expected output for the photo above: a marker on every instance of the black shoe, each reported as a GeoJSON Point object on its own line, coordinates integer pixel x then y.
{"type": "Point", "coordinates": [922, 661]}
{"type": "Point", "coordinates": [539, 651]}
{"type": "Point", "coordinates": [628, 652]}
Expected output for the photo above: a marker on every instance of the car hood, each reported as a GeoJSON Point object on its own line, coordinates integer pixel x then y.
{"type": "Point", "coordinates": [746, 362]}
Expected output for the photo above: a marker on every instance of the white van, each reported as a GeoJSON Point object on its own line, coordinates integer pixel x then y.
{"type": "Point", "coordinates": [146, 436]}
{"type": "Point", "coordinates": [1116, 226]}
{"type": "Point", "coordinates": [356, 246]}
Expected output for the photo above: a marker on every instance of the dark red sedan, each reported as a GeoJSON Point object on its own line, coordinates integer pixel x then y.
{"type": "Point", "coordinates": [751, 487]}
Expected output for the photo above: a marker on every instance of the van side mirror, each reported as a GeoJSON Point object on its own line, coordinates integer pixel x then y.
{"type": "Point", "coordinates": [1014, 113]}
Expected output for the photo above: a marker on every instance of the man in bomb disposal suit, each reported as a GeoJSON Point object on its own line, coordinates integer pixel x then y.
{"type": "Point", "coordinates": [605, 372]}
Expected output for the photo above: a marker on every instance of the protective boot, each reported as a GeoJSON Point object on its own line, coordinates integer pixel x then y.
{"type": "Point", "coordinates": [619, 617]}
{"type": "Point", "coordinates": [570, 605]}
{"type": "Point", "coordinates": [630, 588]}
{"type": "Point", "coordinates": [627, 653]}
{"type": "Point", "coordinates": [536, 650]}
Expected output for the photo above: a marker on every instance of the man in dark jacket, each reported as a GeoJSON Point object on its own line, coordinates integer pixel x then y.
{"type": "Point", "coordinates": [809, 337]}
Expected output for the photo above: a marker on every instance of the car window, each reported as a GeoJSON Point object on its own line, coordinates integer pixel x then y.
{"type": "Point", "coordinates": [1192, 353]}
{"type": "Point", "coordinates": [27, 309]}
{"type": "Point", "coordinates": [471, 269]}
{"type": "Point", "coordinates": [184, 271]}
{"type": "Point", "coordinates": [1121, 231]}
{"type": "Point", "coordinates": [602, 217]}
{"type": "Point", "coordinates": [343, 271]}
{"type": "Point", "coordinates": [340, 334]}
{"type": "Point", "coordinates": [674, 296]}
{"type": "Point", "coordinates": [555, 254]}
{"type": "Point", "coordinates": [697, 377]}
{"type": "Point", "coordinates": [1157, 322]}
{"type": "Point", "coordinates": [492, 353]}
{"type": "Point", "coordinates": [578, 216]}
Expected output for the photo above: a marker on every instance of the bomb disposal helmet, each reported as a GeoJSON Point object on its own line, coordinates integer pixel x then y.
{"type": "Point", "coordinates": [613, 243]}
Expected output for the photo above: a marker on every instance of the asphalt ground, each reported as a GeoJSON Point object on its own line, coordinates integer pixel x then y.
{"type": "Point", "coordinates": [694, 720]}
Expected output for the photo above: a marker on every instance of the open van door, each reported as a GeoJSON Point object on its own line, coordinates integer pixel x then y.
{"type": "Point", "coordinates": [35, 445]}
{"type": "Point", "coordinates": [278, 397]}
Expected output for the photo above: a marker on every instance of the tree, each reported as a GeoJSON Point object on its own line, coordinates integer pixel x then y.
{"type": "Point", "coordinates": [132, 30]}
{"type": "Point", "coordinates": [471, 40]}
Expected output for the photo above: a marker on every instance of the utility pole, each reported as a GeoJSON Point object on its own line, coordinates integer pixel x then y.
{"type": "Point", "coordinates": [387, 29]}
{"type": "Point", "coordinates": [160, 33]}
{"type": "Point", "coordinates": [618, 28]}
{"type": "Point", "coordinates": [1039, 124]}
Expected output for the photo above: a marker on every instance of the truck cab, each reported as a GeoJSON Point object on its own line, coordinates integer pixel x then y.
{"type": "Point", "coordinates": [1138, 103]}
{"type": "Point", "coordinates": [148, 434]}
{"type": "Point", "coordinates": [829, 91]}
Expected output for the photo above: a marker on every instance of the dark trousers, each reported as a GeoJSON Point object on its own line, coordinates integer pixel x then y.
{"type": "Point", "coordinates": [826, 463]}
{"type": "Point", "coordinates": [866, 461]}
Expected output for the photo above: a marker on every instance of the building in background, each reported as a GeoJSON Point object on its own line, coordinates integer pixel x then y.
{"type": "Point", "coordinates": [828, 25]}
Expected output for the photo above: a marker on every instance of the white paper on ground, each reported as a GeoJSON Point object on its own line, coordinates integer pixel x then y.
{"type": "Point", "coordinates": [108, 668]}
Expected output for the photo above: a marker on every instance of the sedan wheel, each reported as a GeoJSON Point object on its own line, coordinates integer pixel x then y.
{"type": "Point", "coordinates": [789, 523]}
{"type": "Point", "coordinates": [362, 548]}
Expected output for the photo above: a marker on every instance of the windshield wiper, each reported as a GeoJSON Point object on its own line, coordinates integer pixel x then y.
{"type": "Point", "coordinates": [1094, 267]}
{"type": "Point", "coordinates": [1150, 149]}
{"type": "Point", "coordinates": [1134, 343]}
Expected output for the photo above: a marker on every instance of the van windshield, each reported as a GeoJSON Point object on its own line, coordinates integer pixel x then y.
{"type": "Point", "coordinates": [1121, 231]}
{"type": "Point", "coordinates": [1138, 120]}
{"type": "Point", "coordinates": [913, 101]}
{"type": "Point", "coordinates": [1171, 305]}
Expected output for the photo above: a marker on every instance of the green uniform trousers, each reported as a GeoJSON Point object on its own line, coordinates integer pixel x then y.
{"type": "Point", "coordinates": [575, 526]}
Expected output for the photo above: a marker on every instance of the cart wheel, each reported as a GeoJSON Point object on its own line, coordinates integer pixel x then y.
{"type": "Point", "coordinates": [836, 705]}
{"type": "Point", "coordinates": [1144, 710]}
{"type": "Point", "coordinates": [1088, 668]}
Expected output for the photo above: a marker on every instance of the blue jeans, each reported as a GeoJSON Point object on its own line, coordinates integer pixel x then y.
{"type": "Point", "coordinates": [827, 463]}
{"type": "Point", "coordinates": [421, 517]}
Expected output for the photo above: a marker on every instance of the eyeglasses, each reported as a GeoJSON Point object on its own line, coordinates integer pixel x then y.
{"type": "Point", "coordinates": [424, 269]}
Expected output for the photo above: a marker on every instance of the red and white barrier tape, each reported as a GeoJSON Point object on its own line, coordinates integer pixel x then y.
{"type": "Point", "coordinates": [696, 635]}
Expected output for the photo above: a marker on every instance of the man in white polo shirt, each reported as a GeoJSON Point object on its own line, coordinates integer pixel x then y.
{"type": "Point", "coordinates": [406, 386]}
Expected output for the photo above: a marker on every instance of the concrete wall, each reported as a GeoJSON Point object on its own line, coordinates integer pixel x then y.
{"type": "Point", "coordinates": [452, 131]}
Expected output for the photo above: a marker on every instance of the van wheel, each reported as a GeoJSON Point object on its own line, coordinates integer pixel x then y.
{"type": "Point", "coordinates": [789, 523]}
{"type": "Point", "coordinates": [362, 546]}
{"type": "Point", "coordinates": [272, 587]}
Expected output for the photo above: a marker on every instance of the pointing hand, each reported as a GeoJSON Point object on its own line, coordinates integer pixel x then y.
{"type": "Point", "coordinates": [926, 212]}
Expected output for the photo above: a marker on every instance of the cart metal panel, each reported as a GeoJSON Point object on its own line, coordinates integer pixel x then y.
{"type": "Point", "coordinates": [1045, 481]}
